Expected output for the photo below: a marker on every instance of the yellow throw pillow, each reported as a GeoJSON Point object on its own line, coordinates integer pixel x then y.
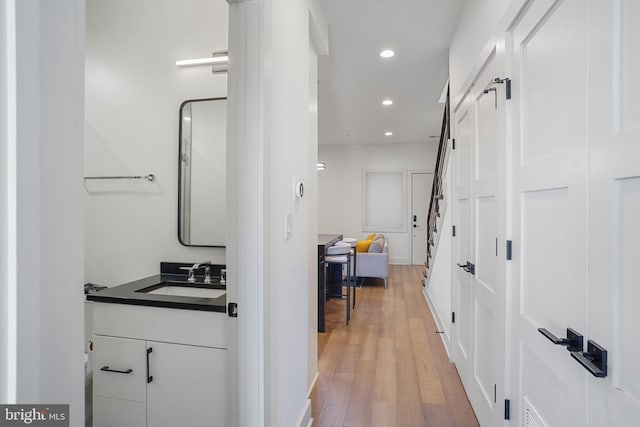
{"type": "Point", "coordinates": [363, 245]}
{"type": "Point", "coordinates": [371, 236]}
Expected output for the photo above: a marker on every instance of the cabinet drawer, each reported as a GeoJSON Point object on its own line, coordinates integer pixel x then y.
{"type": "Point", "coordinates": [119, 368]}
{"type": "Point", "coordinates": [109, 412]}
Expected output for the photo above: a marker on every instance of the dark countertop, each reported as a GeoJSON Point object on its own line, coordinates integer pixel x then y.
{"type": "Point", "coordinates": [129, 294]}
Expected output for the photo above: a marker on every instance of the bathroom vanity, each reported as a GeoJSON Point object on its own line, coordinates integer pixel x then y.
{"type": "Point", "coordinates": [159, 353]}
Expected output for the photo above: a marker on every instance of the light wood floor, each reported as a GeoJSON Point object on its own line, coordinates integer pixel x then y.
{"type": "Point", "coordinates": [388, 367]}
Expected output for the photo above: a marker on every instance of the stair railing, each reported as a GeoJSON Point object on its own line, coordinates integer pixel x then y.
{"type": "Point", "coordinates": [436, 191]}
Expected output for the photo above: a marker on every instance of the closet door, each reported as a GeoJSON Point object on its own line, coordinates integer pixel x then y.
{"type": "Point", "coordinates": [614, 208]}
{"type": "Point", "coordinates": [486, 387]}
{"type": "Point", "coordinates": [549, 169]}
{"type": "Point", "coordinates": [463, 298]}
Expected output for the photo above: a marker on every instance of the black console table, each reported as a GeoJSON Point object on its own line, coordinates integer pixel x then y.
{"type": "Point", "coordinates": [324, 241]}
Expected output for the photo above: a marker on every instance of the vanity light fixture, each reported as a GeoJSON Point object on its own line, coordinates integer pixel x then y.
{"type": "Point", "coordinates": [219, 61]}
{"type": "Point", "coordinates": [321, 166]}
{"type": "Point", "coordinates": [387, 102]}
{"type": "Point", "coordinates": [387, 53]}
{"type": "Point", "coordinates": [388, 133]}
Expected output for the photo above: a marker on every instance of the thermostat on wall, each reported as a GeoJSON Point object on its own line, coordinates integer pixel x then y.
{"type": "Point", "coordinates": [299, 190]}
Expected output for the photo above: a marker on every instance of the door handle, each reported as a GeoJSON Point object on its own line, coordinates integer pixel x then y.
{"type": "Point", "coordinates": [593, 360]}
{"type": "Point", "coordinates": [415, 218]}
{"type": "Point", "coordinates": [117, 371]}
{"type": "Point", "coordinates": [149, 377]}
{"type": "Point", "coordinates": [574, 340]}
{"type": "Point", "coordinates": [468, 267]}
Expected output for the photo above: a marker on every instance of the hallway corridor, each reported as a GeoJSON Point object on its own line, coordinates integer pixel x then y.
{"type": "Point", "coordinates": [388, 367]}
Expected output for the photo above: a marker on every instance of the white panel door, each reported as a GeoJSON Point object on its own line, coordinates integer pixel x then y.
{"type": "Point", "coordinates": [614, 208]}
{"type": "Point", "coordinates": [486, 389]}
{"type": "Point", "coordinates": [549, 270]}
{"type": "Point", "coordinates": [463, 296]}
{"type": "Point", "coordinates": [186, 388]}
{"type": "Point", "coordinates": [420, 195]}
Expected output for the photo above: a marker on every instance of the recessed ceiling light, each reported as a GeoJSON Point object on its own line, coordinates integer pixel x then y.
{"type": "Point", "coordinates": [388, 133]}
{"type": "Point", "coordinates": [387, 53]}
{"type": "Point", "coordinates": [387, 102]}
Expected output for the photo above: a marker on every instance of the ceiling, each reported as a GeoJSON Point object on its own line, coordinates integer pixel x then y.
{"type": "Point", "coordinates": [354, 79]}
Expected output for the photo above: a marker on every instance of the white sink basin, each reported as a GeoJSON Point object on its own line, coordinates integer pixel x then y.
{"type": "Point", "coordinates": [185, 291]}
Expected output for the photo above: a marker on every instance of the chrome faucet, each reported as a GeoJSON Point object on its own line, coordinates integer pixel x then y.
{"type": "Point", "coordinates": [207, 273]}
{"type": "Point", "coordinates": [192, 271]}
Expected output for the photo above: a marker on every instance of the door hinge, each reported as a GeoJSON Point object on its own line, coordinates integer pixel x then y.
{"type": "Point", "coordinates": [507, 409]}
{"type": "Point", "coordinates": [507, 86]}
{"type": "Point", "coordinates": [453, 317]}
{"type": "Point", "coordinates": [509, 250]}
{"type": "Point", "coordinates": [232, 309]}
{"type": "Point", "coordinates": [453, 143]}
{"type": "Point", "coordinates": [453, 230]}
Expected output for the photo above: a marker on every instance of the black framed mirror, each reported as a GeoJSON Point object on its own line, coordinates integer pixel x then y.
{"type": "Point", "coordinates": [202, 159]}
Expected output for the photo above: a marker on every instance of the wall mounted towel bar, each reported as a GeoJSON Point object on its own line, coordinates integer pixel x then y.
{"type": "Point", "coordinates": [149, 177]}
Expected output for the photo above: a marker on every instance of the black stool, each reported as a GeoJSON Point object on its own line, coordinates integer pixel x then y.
{"type": "Point", "coordinates": [340, 253]}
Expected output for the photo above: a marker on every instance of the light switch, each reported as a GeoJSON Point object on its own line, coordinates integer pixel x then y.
{"type": "Point", "coordinates": [287, 225]}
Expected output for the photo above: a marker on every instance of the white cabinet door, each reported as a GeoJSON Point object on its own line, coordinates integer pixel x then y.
{"type": "Point", "coordinates": [108, 412]}
{"type": "Point", "coordinates": [549, 166]}
{"type": "Point", "coordinates": [187, 386]}
{"type": "Point", "coordinates": [614, 208]}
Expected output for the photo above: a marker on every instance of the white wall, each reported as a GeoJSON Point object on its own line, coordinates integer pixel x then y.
{"type": "Point", "coordinates": [133, 93]}
{"type": "Point", "coordinates": [288, 159]}
{"type": "Point", "coordinates": [312, 229]}
{"type": "Point", "coordinates": [42, 198]}
{"type": "Point", "coordinates": [270, 147]}
{"type": "Point", "coordinates": [438, 289]}
{"type": "Point", "coordinates": [476, 29]}
{"type": "Point", "coordinates": [340, 186]}
{"type": "Point", "coordinates": [5, 225]}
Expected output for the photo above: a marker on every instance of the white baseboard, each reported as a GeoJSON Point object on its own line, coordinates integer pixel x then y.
{"type": "Point", "coordinates": [307, 411]}
{"type": "Point", "coordinates": [305, 419]}
{"type": "Point", "coordinates": [439, 322]}
{"type": "Point", "coordinates": [313, 384]}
